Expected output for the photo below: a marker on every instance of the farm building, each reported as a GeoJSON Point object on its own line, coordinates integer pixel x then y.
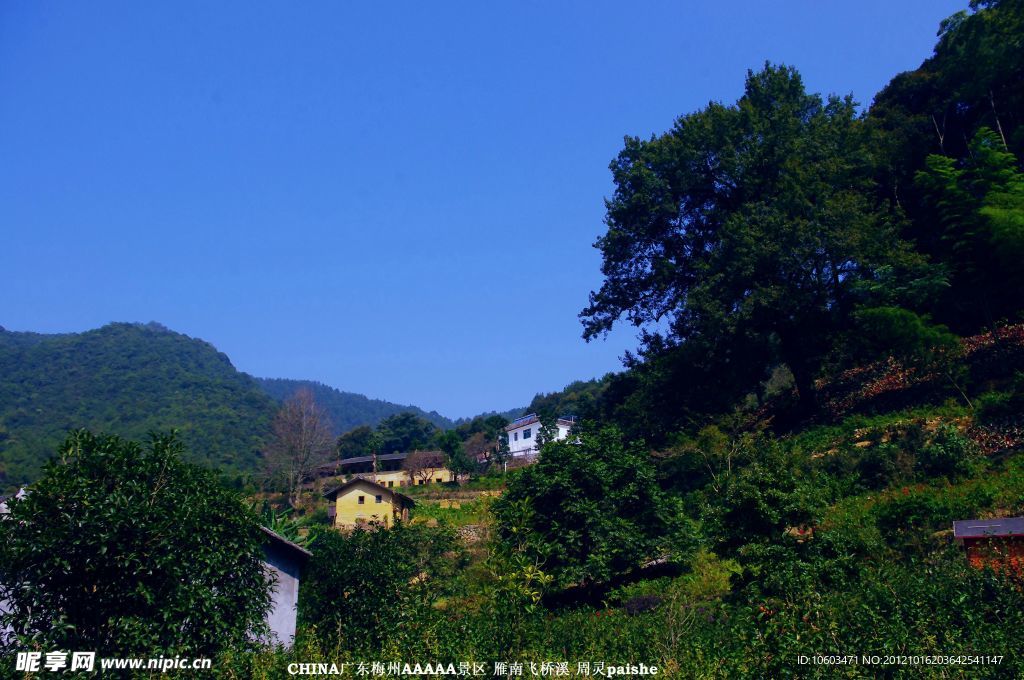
{"type": "Point", "coordinates": [361, 501]}
{"type": "Point", "coordinates": [992, 542]}
{"type": "Point", "coordinates": [393, 470]}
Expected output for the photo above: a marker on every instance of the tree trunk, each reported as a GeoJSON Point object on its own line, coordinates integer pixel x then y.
{"type": "Point", "coordinates": [803, 377]}
{"type": "Point", "coordinates": [999, 126]}
{"type": "Point", "coordinates": [798, 357]}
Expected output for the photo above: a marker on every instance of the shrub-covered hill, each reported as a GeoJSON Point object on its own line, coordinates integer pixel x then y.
{"type": "Point", "coordinates": [347, 409]}
{"type": "Point", "coordinates": [126, 379]}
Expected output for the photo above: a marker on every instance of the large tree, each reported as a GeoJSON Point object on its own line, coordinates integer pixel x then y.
{"type": "Point", "coordinates": [301, 439]}
{"type": "Point", "coordinates": [745, 231]}
{"type": "Point", "coordinates": [421, 465]}
{"type": "Point", "coordinates": [976, 208]}
{"type": "Point", "coordinates": [588, 509]}
{"type": "Point", "coordinates": [974, 80]}
{"type": "Point", "coordinates": [121, 548]}
{"type": "Point", "coordinates": [456, 458]}
{"type": "Point", "coordinates": [405, 432]}
{"type": "Point", "coordinates": [356, 442]}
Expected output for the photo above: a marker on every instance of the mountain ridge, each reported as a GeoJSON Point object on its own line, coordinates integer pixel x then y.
{"type": "Point", "coordinates": [130, 378]}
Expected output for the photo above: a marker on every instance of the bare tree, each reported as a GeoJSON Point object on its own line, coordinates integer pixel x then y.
{"type": "Point", "coordinates": [302, 438]}
{"type": "Point", "coordinates": [478, 447]}
{"type": "Point", "coordinates": [421, 465]}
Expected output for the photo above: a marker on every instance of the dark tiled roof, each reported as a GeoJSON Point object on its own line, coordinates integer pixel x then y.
{"type": "Point", "coordinates": [367, 459]}
{"type": "Point", "coordinates": [981, 528]}
{"type": "Point", "coordinates": [384, 457]}
{"type": "Point", "coordinates": [282, 541]}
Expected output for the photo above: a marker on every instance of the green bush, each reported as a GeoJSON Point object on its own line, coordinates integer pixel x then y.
{"type": "Point", "coordinates": [761, 501]}
{"type": "Point", "coordinates": [589, 508]}
{"type": "Point", "coordinates": [124, 549]}
{"type": "Point", "coordinates": [995, 406]}
{"type": "Point", "coordinates": [375, 586]}
{"type": "Point", "coordinates": [949, 454]}
{"type": "Point", "coordinates": [883, 465]}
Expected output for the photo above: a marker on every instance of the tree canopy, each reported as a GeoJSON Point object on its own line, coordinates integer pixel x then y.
{"type": "Point", "coordinates": [746, 229]}
{"type": "Point", "coordinates": [588, 508]}
{"type": "Point", "coordinates": [123, 548]}
{"type": "Point", "coordinates": [405, 432]}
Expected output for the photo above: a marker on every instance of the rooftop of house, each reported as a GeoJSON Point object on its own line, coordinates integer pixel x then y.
{"type": "Point", "coordinates": [383, 457]}
{"type": "Point", "coordinates": [336, 490]}
{"type": "Point", "coordinates": [282, 542]}
{"type": "Point", "coordinates": [983, 528]}
{"type": "Point", "coordinates": [531, 418]}
{"type": "Point", "coordinates": [368, 459]}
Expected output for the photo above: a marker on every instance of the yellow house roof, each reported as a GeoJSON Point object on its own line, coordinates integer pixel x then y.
{"type": "Point", "coordinates": [333, 493]}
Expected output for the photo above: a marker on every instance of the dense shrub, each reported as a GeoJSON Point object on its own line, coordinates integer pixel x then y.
{"type": "Point", "coordinates": [949, 454]}
{"type": "Point", "coordinates": [995, 406]}
{"type": "Point", "coordinates": [589, 508]}
{"type": "Point", "coordinates": [363, 589]}
{"type": "Point", "coordinates": [884, 465]}
{"type": "Point", "coordinates": [761, 501]}
{"type": "Point", "coordinates": [124, 549]}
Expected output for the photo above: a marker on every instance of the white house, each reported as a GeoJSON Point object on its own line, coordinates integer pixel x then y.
{"type": "Point", "coordinates": [522, 434]}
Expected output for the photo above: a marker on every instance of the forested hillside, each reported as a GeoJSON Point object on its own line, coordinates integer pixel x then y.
{"type": "Point", "coordinates": [347, 409]}
{"type": "Point", "coordinates": [126, 379]}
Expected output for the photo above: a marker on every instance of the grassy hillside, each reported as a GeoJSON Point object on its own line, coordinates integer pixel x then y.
{"type": "Point", "coordinates": [126, 379]}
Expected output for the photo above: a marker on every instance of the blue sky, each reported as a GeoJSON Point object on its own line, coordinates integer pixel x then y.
{"type": "Point", "coordinates": [397, 199]}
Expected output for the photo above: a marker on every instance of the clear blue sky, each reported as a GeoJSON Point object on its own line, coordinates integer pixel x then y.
{"type": "Point", "coordinates": [397, 199]}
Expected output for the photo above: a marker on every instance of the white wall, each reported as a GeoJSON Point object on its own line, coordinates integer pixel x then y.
{"type": "Point", "coordinates": [519, 446]}
{"type": "Point", "coordinates": [284, 569]}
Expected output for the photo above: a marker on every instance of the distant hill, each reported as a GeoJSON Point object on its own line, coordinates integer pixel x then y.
{"type": "Point", "coordinates": [510, 414]}
{"type": "Point", "coordinates": [347, 410]}
{"type": "Point", "coordinates": [125, 379]}
{"type": "Point", "coordinates": [129, 379]}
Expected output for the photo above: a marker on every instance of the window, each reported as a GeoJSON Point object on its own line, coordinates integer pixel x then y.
{"type": "Point", "coordinates": [380, 499]}
{"type": "Point", "coordinates": [362, 499]}
{"type": "Point", "coordinates": [527, 432]}
{"type": "Point", "coordinates": [515, 436]}
{"type": "Point", "coordinates": [390, 484]}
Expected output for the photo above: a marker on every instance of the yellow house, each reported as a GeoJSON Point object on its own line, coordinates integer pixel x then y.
{"type": "Point", "coordinates": [360, 501]}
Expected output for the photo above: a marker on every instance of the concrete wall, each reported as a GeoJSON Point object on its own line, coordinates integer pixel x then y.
{"type": "Point", "coordinates": [521, 445]}
{"type": "Point", "coordinates": [284, 568]}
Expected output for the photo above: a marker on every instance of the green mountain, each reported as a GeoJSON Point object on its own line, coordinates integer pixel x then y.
{"type": "Point", "coordinates": [129, 379]}
{"type": "Point", "coordinates": [126, 379]}
{"type": "Point", "coordinates": [347, 410]}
